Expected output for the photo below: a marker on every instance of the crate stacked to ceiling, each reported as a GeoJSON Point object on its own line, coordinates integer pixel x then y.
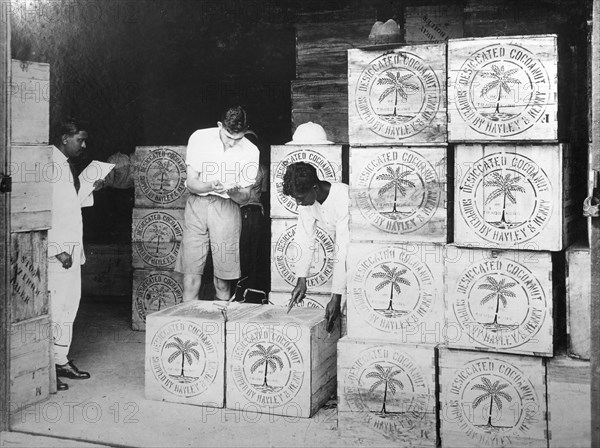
{"type": "Point", "coordinates": [157, 229]}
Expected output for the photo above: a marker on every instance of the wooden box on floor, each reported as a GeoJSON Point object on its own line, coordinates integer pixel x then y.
{"type": "Point", "coordinates": [327, 159]}
{"type": "Point", "coordinates": [513, 196]}
{"type": "Point", "coordinates": [491, 400]}
{"type": "Point", "coordinates": [185, 352]}
{"type": "Point", "coordinates": [499, 300]}
{"type": "Point", "coordinates": [432, 23]}
{"type": "Point", "coordinates": [107, 270]}
{"type": "Point", "coordinates": [153, 291]}
{"type": "Point", "coordinates": [32, 182]}
{"type": "Point", "coordinates": [29, 275]}
{"type": "Point", "coordinates": [285, 255]}
{"type": "Point", "coordinates": [29, 362]}
{"type": "Point", "coordinates": [159, 176]}
{"type": "Point", "coordinates": [386, 393]}
{"type": "Point", "coordinates": [398, 194]}
{"type": "Point", "coordinates": [502, 88]}
{"type": "Point", "coordinates": [578, 300]}
{"type": "Point", "coordinates": [395, 292]}
{"type": "Point", "coordinates": [569, 408]}
{"type": "Point", "coordinates": [397, 96]}
{"type": "Point", "coordinates": [281, 363]}
{"type": "Point", "coordinates": [319, 301]}
{"type": "Point", "coordinates": [156, 237]}
{"type": "Point", "coordinates": [30, 103]}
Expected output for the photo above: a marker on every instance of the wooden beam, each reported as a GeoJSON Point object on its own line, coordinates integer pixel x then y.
{"type": "Point", "coordinates": [4, 221]}
{"type": "Point", "coordinates": [595, 233]}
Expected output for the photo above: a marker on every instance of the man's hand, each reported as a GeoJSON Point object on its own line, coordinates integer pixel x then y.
{"type": "Point", "coordinates": [218, 187]}
{"type": "Point", "coordinates": [99, 184]}
{"type": "Point", "coordinates": [333, 311]}
{"type": "Point", "coordinates": [65, 259]}
{"type": "Point", "coordinates": [298, 293]}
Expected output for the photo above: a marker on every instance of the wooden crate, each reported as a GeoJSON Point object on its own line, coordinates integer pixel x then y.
{"type": "Point", "coordinates": [499, 301]}
{"type": "Point", "coordinates": [491, 400]}
{"type": "Point", "coordinates": [29, 275]}
{"type": "Point", "coordinates": [395, 292]}
{"type": "Point", "coordinates": [159, 175]}
{"type": "Point", "coordinates": [156, 236]}
{"type": "Point", "coordinates": [523, 67]}
{"type": "Point", "coordinates": [29, 362]}
{"type": "Point", "coordinates": [185, 352]}
{"type": "Point", "coordinates": [537, 213]}
{"type": "Point", "coordinates": [386, 393]}
{"type": "Point", "coordinates": [153, 291]}
{"type": "Point", "coordinates": [32, 175]}
{"type": "Point", "coordinates": [569, 408]}
{"type": "Point", "coordinates": [578, 300]}
{"type": "Point", "coordinates": [280, 363]}
{"type": "Point", "coordinates": [398, 194]}
{"type": "Point", "coordinates": [327, 159]}
{"type": "Point", "coordinates": [30, 103]}
{"type": "Point", "coordinates": [285, 254]}
{"type": "Point", "coordinates": [107, 270]}
{"type": "Point", "coordinates": [397, 96]}
{"type": "Point", "coordinates": [318, 301]}
{"type": "Point", "coordinates": [433, 23]}
{"type": "Point", "coordinates": [322, 101]}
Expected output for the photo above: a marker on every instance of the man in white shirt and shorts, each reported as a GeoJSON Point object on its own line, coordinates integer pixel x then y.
{"type": "Point", "coordinates": [221, 169]}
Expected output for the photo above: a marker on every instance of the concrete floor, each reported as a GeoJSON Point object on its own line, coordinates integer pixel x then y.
{"type": "Point", "coordinates": [110, 407]}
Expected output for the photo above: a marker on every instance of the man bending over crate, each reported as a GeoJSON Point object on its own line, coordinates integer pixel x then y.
{"type": "Point", "coordinates": [325, 204]}
{"type": "Point", "coordinates": [221, 169]}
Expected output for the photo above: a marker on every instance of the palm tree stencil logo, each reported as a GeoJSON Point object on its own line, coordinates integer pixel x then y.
{"type": "Point", "coordinates": [163, 171]}
{"type": "Point", "coordinates": [398, 85]}
{"type": "Point", "coordinates": [158, 294]}
{"type": "Point", "coordinates": [385, 376]}
{"type": "Point", "coordinates": [500, 80]}
{"type": "Point", "coordinates": [504, 186]}
{"type": "Point", "coordinates": [495, 393]}
{"type": "Point", "coordinates": [396, 180]}
{"type": "Point", "coordinates": [186, 350]}
{"type": "Point", "coordinates": [158, 232]}
{"type": "Point", "coordinates": [394, 278]}
{"type": "Point", "coordinates": [500, 290]}
{"type": "Point", "coordinates": [269, 357]}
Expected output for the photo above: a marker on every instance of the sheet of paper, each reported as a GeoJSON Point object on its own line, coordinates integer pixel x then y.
{"type": "Point", "coordinates": [96, 170]}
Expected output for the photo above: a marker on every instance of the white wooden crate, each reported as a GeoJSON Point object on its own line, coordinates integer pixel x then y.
{"type": "Point", "coordinates": [156, 237]}
{"type": "Point", "coordinates": [513, 196]}
{"type": "Point", "coordinates": [502, 88]}
{"type": "Point", "coordinates": [319, 301]}
{"type": "Point", "coordinates": [397, 96]}
{"type": "Point", "coordinates": [398, 194]}
{"type": "Point", "coordinates": [153, 291]}
{"type": "Point", "coordinates": [578, 300]}
{"type": "Point", "coordinates": [327, 159]}
{"type": "Point", "coordinates": [386, 393]}
{"type": "Point", "coordinates": [491, 400]}
{"type": "Point", "coordinates": [499, 300]}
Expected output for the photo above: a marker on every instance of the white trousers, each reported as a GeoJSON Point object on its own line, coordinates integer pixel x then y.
{"type": "Point", "coordinates": [65, 293]}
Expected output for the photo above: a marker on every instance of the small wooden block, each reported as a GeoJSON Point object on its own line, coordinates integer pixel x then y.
{"type": "Point", "coordinates": [159, 176]}
{"type": "Point", "coordinates": [433, 23]}
{"type": "Point", "coordinates": [386, 393]}
{"type": "Point", "coordinates": [502, 88]}
{"type": "Point", "coordinates": [156, 236]}
{"type": "Point", "coordinates": [397, 96]}
{"type": "Point", "coordinates": [30, 103]}
{"type": "Point", "coordinates": [491, 400]}
{"type": "Point", "coordinates": [535, 213]}
{"type": "Point", "coordinates": [578, 300]}
{"type": "Point", "coordinates": [185, 352]}
{"type": "Point", "coordinates": [499, 300]}
{"type": "Point", "coordinates": [285, 255]}
{"type": "Point", "coordinates": [281, 363]}
{"type": "Point", "coordinates": [327, 159]}
{"type": "Point", "coordinates": [398, 194]}
{"type": "Point", "coordinates": [395, 292]}
{"type": "Point", "coordinates": [569, 408]}
{"type": "Point", "coordinates": [319, 301]}
{"type": "Point", "coordinates": [152, 292]}
{"type": "Point", "coordinates": [32, 176]}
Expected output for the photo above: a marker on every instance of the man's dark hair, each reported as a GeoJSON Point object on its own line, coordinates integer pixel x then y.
{"type": "Point", "coordinates": [71, 126]}
{"type": "Point", "coordinates": [235, 120]}
{"type": "Point", "coordinates": [299, 178]}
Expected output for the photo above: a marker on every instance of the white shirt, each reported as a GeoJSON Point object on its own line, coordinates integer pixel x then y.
{"type": "Point", "coordinates": [207, 155]}
{"type": "Point", "coordinates": [331, 216]}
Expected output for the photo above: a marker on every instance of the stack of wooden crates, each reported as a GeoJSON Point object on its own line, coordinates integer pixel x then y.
{"type": "Point", "coordinates": [157, 229]}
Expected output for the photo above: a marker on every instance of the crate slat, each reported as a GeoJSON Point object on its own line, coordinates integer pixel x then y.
{"type": "Point", "coordinates": [30, 103]}
{"type": "Point", "coordinates": [432, 23]}
{"type": "Point", "coordinates": [578, 300]}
